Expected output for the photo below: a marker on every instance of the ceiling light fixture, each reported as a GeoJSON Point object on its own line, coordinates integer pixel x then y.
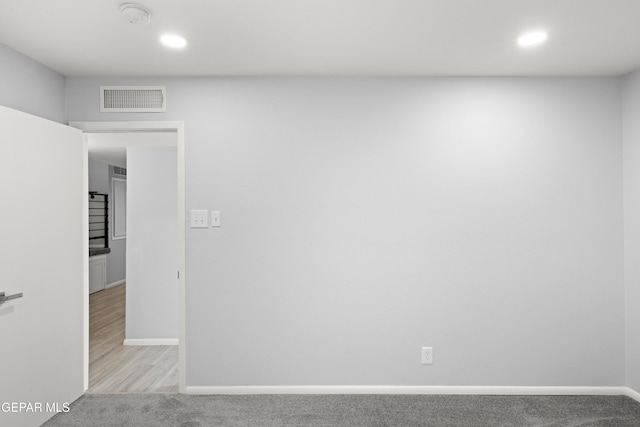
{"type": "Point", "coordinates": [173, 41]}
{"type": "Point", "coordinates": [135, 14]}
{"type": "Point", "coordinates": [532, 39]}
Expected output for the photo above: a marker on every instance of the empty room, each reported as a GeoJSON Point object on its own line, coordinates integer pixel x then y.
{"type": "Point", "coordinates": [407, 212]}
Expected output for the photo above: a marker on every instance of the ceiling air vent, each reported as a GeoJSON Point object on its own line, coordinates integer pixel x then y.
{"type": "Point", "coordinates": [117, 170]}
{"type": "Point", "coordinates": [133, 99]}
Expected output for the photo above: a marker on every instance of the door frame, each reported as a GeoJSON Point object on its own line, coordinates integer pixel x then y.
{"type": "Point", "coordinates": [150, 126]}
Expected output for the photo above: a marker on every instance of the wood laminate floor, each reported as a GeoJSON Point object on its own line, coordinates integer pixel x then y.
{"type": "Point", "coordinates": [115, 368]}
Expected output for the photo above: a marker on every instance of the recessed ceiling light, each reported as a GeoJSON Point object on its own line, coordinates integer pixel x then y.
{"type": "Point", "coordinates": [532, 38]}
{"type": "Point", "coordinates": [173, 41]}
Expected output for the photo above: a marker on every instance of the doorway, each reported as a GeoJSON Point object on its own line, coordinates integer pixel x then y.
{"type": "Point", "coordinates": [141, 130]}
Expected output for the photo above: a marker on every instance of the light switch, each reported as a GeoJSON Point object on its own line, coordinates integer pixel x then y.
{"type": "Point", "coordinates": [215, 219]}
{"type": "Point", "coordinates": [199, 218]}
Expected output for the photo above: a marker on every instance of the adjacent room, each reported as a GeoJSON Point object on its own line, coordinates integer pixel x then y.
{"type": "Point", "coordinates": [133, 318]}
{"type": "Point", "coordinates": [361, 213]}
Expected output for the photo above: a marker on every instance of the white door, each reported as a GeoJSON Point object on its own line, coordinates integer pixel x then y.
{"type": "Point", "coordinates": [43, 248]}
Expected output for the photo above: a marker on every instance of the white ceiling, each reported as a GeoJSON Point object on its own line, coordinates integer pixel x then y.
{"type": "Point", "coordinates": [327, 37]}
{"type": "Point", "coordinates": [116, 156]}
{"type": "Point", "coordinates": [111, 148]}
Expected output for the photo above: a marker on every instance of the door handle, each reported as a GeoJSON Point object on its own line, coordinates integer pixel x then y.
{"type": "Point", "coordinates": [10, 297]}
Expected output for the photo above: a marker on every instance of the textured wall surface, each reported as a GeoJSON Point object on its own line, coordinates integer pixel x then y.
{"type": "Point", "coordinates": [365, 218]}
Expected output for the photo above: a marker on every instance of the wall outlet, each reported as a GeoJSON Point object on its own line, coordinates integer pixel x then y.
{"type": "Point", "coordinates": [427, 355]}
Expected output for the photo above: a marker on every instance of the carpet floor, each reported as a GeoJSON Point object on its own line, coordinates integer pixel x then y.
{"type": "Point", "coordinates": [142, 410]}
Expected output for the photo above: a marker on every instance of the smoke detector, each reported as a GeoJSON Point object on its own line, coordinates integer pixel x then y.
{"type": "Point", "coordinates": [135, 14]}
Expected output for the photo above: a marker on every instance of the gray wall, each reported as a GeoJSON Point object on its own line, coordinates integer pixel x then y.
{"type": "Point", "coordinates": [632, 224]}
{"type": "Point", "coordinates": [364, 218]}
{"type": "Point", "coordinates": [99, 177]}
{"type": "Point", "coordinates": [31, 87]}
{"type": "Point", "coordinates": [152, 236]}
{"type": "Point", "coordinates": [100, 180]}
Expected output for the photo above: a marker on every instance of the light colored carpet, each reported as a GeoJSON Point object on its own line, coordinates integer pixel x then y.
{"type": "Point", "coordinates": [142, 410]}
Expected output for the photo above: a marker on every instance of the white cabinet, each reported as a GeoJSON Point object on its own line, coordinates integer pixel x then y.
{"type": "Point", "coordinates": [97, 273]}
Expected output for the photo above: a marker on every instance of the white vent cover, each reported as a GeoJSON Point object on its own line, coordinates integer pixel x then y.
{"type": "Point", "coordinates": [133, 99]}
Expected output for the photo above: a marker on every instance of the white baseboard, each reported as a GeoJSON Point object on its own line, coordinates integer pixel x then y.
{"type": "Point", "coordinates": [633, 394]}
{"type": "Point", "coordinates": [156, 341]}
{"type": "Point", "coordinates": [473, 390]}
{"type": "Point", "coordinates": [111, 285]}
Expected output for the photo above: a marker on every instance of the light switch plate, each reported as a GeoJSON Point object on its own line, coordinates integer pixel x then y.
{"type": "Point", "coordinates": [427, 355]}
{"type": "Point", "coordinates": [199, 218]}
{"type": "Point", "coordinates": [215, 219]}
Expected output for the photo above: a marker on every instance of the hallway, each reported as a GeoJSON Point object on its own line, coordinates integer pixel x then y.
{"type": "Point", "coordinates": [115, 368]}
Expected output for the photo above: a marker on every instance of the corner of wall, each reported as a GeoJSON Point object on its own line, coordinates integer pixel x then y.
{"type": "Point", "coordinates": [622, 80]}
{"type": "Point", "coordinates": [66, 100]}
{"type": "Point", "coordinates": [630, 107]}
